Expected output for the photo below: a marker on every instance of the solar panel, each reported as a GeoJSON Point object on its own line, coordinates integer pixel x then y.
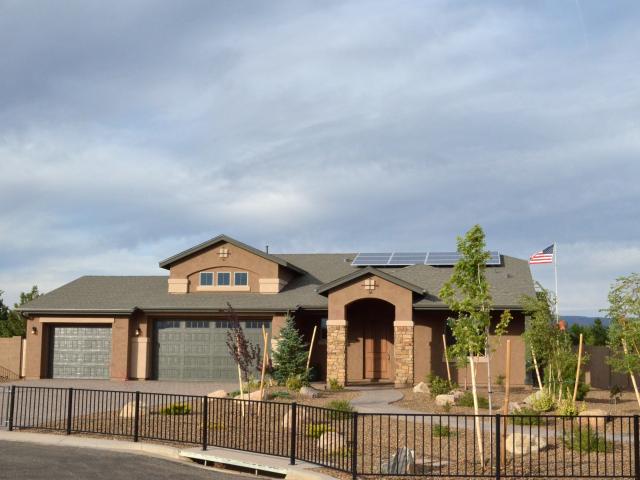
{"type": "Point", "coordinates": [451, 258]}
{"type": "Point", "coordinates": [408, 258]}
{"type": "Point", "coordinates": [363, 259]}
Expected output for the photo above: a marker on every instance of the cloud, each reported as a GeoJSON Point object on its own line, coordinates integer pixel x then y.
{"type": "Point", "coordinates": [130, 131]}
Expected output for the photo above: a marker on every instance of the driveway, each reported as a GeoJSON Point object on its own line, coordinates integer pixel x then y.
{"type": "Point", "coordinates": [46, 462]}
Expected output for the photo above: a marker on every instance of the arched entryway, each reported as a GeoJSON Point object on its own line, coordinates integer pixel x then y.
{"type": "Point", "coordinates": [370, 332]}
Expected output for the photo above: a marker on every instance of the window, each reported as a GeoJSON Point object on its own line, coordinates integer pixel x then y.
{"type": "Point", "coordinates": [224, 279]}
{"type": "Point", "coordinates": [197, 324]}
{"type": "Point", "coordinates": [240, 278]}
{"type": "Point", "coordinates": [224, 324]}
{"type": "Point", "coordinates": [162, 324]}
{"type": "Point", "coordinates": [206, 278]}
{"type": "Point", "coordinates": [256, 324]}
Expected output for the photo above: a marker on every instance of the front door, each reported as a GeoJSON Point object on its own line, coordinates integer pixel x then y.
{"type": "Point", "coordinates": [378, 338]}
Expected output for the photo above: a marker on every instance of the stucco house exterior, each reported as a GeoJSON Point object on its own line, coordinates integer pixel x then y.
{"type": "Point", "coordinates": [377, 324]}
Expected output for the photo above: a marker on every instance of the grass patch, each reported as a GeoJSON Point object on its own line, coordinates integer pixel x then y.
{"type": "Point", "coordinates": [281, 394]}
{"type": "Point", "coordinates": [586, 440]}
{"type": "Point", "coordinates": [334, 385]}
{"type": "Point", "coordinates": [315, 430]}
{"type": "Point", "coordinates": [442, 431]}
{"type": "Point", "coordinates": [526, 416]}
{"type": "Point", "coordinates": [339, 408]}
{"type": "Point", "coordinates": [467, 401]}
{"type": "Point", "coordinates": [176, 409]}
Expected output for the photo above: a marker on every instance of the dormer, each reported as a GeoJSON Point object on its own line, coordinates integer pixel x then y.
{"type": "Point", "coordinates": [224, 264]}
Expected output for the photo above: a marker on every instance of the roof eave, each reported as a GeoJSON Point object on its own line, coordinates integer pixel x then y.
{"type": "Point", "coordinates": [369, 271]}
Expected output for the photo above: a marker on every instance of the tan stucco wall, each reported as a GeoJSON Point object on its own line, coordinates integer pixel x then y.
{"type": "Point", "coordinates": [36, 350]}
{"type": "Point", "coordinates": [11, 354]}
{"type": "Point", "coordinates": [238, 260]}
{"type": "Point", "coordinates": [120, 345]}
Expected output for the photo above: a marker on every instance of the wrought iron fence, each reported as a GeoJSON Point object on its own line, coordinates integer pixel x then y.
{"type": "Point", "coordinates": [360, 444]}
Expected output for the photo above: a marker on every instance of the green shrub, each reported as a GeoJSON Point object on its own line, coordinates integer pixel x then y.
{"type": "Point", "coordinates": [585, 440]}
{"type": "Point", "coordinates": [334, 385]}
{"type": "Point", "coordinates": [442, 431]}
{"type": "Point", "coordinates": [439, 385]}
{"type": "Point", "coordinates": [466, 400]}
{"type": "Point", "coordinates": [290, 355]}
{"type": "Point", "coordinates": [216, 426]}
{"type": "Point", "coordinates": [543, 401]}
{"type": "Point", "coordinates": [176, 409]}
{"type": "Point", "coordinates": [500, 380]}
{"type": "Point", "coordinates": [315, 430]}
{"type": "Point", "coordinates": [296, 382]}
{"type": "Point", "coordinates": [526, 416]}
{"type": "Point", "coordinates": [583, 389]}
{"type": "Point", "coordinates": [339, 407]}
{"type": "Point", "coordinates": [567, 408]}
{"type": "Point", "coordinates": [281, 394]}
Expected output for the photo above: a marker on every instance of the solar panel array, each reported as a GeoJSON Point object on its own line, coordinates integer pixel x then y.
{"type": "Point", "coordinates": [415, 258]}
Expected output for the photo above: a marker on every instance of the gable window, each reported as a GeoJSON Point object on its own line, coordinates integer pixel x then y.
{"type": "Point", "coordinates": [224, 279]}
{"type": "Point", "coordinates": [206, 278]}
{"type": "Point", "coordinates": [240, 278]}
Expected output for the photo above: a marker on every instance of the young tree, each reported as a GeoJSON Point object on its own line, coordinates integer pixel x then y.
{"type": "Point", "coordinates": [290, 354]}
{"type": "Point", "coordinates": [12, 323]}
{"type": "Point", "coordinates": [467, 295]}
{"type": "Point", "coordinates": [245, 354]}
{"type": "Point", "coordinates": [624, 331]}
{"type": "Point", "coordinates": [598, 334]}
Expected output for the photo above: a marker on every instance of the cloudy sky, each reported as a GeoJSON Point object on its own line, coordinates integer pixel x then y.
{"type": "Point", "coordinates": [132, 130]}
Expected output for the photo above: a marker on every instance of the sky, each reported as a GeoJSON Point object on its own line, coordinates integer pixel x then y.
{"type": "Point", "coordinates": [131, 130]}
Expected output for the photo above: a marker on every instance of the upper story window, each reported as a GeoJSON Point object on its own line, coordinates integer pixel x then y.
{"type": "Point", "coordinates": [240, 278]}
{"type": "Point", "coordinates": [206, 278]}
{"type": "Point", "coordinates": [224, 279]}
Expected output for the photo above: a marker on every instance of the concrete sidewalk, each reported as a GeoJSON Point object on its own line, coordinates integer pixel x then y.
{"type": "Point", "coordinates": [257, 462]}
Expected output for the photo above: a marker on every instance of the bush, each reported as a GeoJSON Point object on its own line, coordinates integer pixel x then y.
{"type": "Point", "coordinates": [290, 354]}
{"type": "Point", "coordinates": [526, 416]}
{"type": "Point", "coordinates": [567, 408]}
{"type": "Point", "coordinates": [334, 385]}
{"type": "Point", "coordinates": [339, 407]}
{"type": "Point", "coordinates": [500, 380]}
{"type": "Point", "coordinates": [439, 385]}
{"type": "Point", "coordinates": [543, 401]}
{"type": "Point", "coordinates": [585, 440]}
{"type": "Point", "coordinates": [281, 395]}
{"type": "Point", "coordinates": [583, 389]}
{"type": "Point", "coordinates": [466, 400]}
{"type": "Point", "coordinates": [296, 382]}
{"type": "Point", "coordinates": [442, 431]}
{"type": "Point", "coordinates": [176, 409]}
{"type": "Point", "coordinates": [315, 430]}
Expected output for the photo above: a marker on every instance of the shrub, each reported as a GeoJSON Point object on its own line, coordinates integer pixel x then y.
{"type": "Point", "coordinates": [290, 354]}
{"type": "Point", "coordinates": [439, 385]}
{"type": "Point", "coordinates": [339, 408]}
{"type": "Point", "coordinates": [466, 400]}
{"type": "Point", "coordinates": [216, 426]}
{"type": "Point", "coordinates": [500, 380]}
{"type": "Point", "coordinates": [442, 431]}
{"type": "Point", "coordinates": [615, 393]}
{"type": "Point", "coordinates": [567, 408]}
{"type": "Point", "coordinates": [334, 385]}
{"type": "Point", "coordinates": [176, 409]}
{"type": "Point", "coordinates": [543, 401]}
{"type": "Point", "coordinates": [526, 416]}
{"type": "Point", "coordinates": [585, 440]}
{"type": "Point", "coordinates": [281, 394]}
{"type": "Point", "coordinates": [296, 382]}
{"type": "Point", "coordinates": [583, 389]}
{"type": "Point", "coordinates": [315, 430]}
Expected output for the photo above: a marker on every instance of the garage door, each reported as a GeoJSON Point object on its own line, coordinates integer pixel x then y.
{"type": "Point", "coordinates": [197, 350]}
{"type": "Point", "coordinates": [81, 352]}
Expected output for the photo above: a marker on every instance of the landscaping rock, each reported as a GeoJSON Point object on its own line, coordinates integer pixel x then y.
{"type": "Point", "coordinates": [514, 407]}
{"type": "Point", "coordinates": [457, 394]}
{"type": "Point", "coordinates": [332, 442]}
{"type": "Point", "coordinates": [301, 417]}
{"type": "Point", "coordinates": [524, 444]}
{"type": "Point", "coordinates": [421, 388]}
{"type": "Point", "coordinates": [595, 419]}
{"type": "Point", "coordinates": [218, 394]}
{"type": "Point", "coordinates": [250, 396]}
{"type": "Point", "coordinates": [129, 409]}
{"type": "Point", "coordinates": [445, 399]}
{"type": "Point", "coordinates": [309, 392]}
{"type": "Point", "coordinates": [533, 397]}
{"type": "Point", "coordinates": [401, 463]}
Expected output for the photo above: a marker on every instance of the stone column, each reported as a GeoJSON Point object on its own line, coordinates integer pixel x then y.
{"type": "Point", "coordinates": [403, 352]}
{"type": "Point", "coordinates": [337, 351]}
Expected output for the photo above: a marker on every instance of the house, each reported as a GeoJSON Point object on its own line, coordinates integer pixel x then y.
{"type": "Point", "coordinates": [379, 317]}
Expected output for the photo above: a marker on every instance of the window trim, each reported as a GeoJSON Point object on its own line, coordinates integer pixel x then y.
{"type": "Point", "coordinates": [212, 279]}
{"type": "Point", "coordinates": [218, 279]}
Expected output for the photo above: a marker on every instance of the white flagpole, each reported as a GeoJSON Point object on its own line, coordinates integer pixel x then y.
{"type": "Point", "coordinates": [555, 272]}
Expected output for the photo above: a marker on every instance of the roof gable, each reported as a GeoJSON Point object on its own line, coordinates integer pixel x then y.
{"type": "Point", "coordinates": [369, 271]}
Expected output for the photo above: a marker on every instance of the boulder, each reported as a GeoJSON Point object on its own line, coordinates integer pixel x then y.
{"type": "Point", "coordinates": [457, 394]}
{"type": "Point", "coordinates": [401, 463]}
{"type": "Point", "coordinates": [129, 409]}
{"type": "Point", "coordinates": [301, 417]}
{"type": "Point", "coordinates": [217, 394]}
{"type": "Point", "coordinates": [595, 418]}
{"type": "Point", "coordinates": [309, 392]}
{"type": "Point", "coordinates": [421, 388]}
{"type": "Point", "coordinates": [332, 442]}
{"type": "Point", "coordinates": [514, 407]}
{"type": "Point", "coordinates": [524, 444]}
{"type": "Point", "coordinates": [250, 396]}
{"type": "Point", "coordinates": [445, 399]}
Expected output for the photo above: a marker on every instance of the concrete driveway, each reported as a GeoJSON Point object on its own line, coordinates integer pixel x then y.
{"type": "Point", "coordinates": [152, 386]}
{"type": "Point", "coordinates": [46, 462]}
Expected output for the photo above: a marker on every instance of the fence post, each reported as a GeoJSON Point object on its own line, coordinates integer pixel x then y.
{"type": "Point", "coordinates": [69, 410]}
{"type": "Point", "coordinates": [498, 445]}
{"type": "Point", "coordinates": [636, 446]}
{"type": "Point", "coordinates": [354, 450]}
{"type": "Point", "coordinates": [292, 447]}
{"type": "Point", "coordinates": [12, 404]}
{"type": "Point", "coordinates": [205, 422]}
{"type": "Point", "coordinates": [136, 417]}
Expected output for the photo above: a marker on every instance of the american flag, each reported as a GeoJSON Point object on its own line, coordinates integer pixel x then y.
{"type": "Point", "coordinates": [544, 256]}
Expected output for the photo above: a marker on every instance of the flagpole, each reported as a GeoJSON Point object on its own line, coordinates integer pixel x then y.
{"type": "Point", "coordinates": [555, 272]}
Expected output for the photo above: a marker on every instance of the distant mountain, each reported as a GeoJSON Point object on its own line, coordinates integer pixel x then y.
{"type": "Point", "coordinates": [580, 320]}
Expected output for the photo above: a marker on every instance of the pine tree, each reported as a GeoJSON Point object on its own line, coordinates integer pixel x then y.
{"type": "Point", "coordinates": [12, 323]}
{"type": "Point", "coordinates": [290, 354]}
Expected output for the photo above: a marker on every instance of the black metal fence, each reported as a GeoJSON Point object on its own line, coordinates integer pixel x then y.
{"type": "Point", "coordinates": [360, 444]}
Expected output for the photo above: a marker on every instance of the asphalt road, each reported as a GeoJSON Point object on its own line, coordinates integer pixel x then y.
{"type": "Point", "coordinates": [31, 461]}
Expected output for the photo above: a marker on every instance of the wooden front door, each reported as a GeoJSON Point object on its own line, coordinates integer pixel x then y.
{"type": "Point", "coordinates": [378, 339]}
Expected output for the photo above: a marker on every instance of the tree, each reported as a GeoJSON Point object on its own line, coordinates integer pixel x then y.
{"type": "Point", "coordinates": [624, 331]}
{"type": "Point", "coordinates": [467, 295]}
{"type": "Point", "coordinates": [290, 354]}
{"type": "Point", "coordinates": [245, 354]}
{"type": "Point", "coordinates": [598, 334]}
{"type": "Point", "coordinates": [13, 323]}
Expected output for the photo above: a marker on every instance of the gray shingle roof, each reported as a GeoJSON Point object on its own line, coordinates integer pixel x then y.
{"type": "Point", "coordinates": [123, 294]}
